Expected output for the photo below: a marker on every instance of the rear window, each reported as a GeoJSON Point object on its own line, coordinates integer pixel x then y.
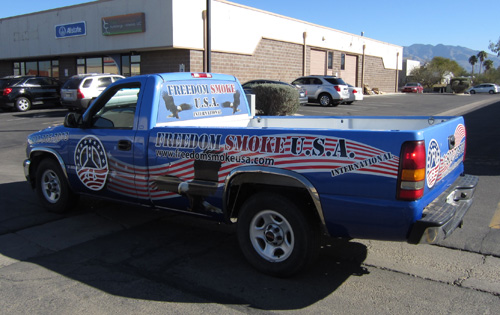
{"type": "Point", "coordinates": [196, 99]}
{"type": "Point", "coordinates": [3, 83]}
{"type": "Point", "coordinates": [335, 81]}
{"type": "Point", "coordinates": [72, 84]}
{"type": "Point", "coordinates": [14, 81]}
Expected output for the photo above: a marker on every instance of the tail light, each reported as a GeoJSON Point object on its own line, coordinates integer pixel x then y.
{"type": "Point", "coordinates": [7, 91]}
{"type": "Point", "coordinates": [354, 91]}
{"type": "Point", "coordinates": [411, 179]}
{"type": "Point", "coordinates": [337, 88]}
{"type": "Point", "coordinates": [79, 94]}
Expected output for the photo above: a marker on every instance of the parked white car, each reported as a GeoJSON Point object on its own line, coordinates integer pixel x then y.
{"type": "Point", "coordinates": [80, 90]}
{"type": "Point", "coordinates": [326, 90]}
{"type": "Point", "coordinates": [491, 88]}
{"type": "Point", "coordinates": [355, 94]}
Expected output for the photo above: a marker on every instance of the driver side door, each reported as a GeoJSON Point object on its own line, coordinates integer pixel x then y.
{"type": "Point", "coordinates": [103, 151]}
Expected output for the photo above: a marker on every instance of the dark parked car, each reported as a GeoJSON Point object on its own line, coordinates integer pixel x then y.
{"type": "Point", "coordinates": [22, 92]}
{"type": "Point", "coordinates": [247, 87]}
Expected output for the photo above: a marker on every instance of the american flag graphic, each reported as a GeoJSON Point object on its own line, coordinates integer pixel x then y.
{"type": "Point", "coordinates": [128, 179]}
{"type": "Point", "coordinates": [454, 156]}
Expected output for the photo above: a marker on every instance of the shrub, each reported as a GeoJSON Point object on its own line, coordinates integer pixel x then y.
{"type": "Point", "coordinates": [276, 99]}
{"type": "Point", "coordinates": [460, 85]}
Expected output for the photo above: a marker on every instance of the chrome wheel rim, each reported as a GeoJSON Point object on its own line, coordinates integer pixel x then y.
{"type": "Point", "coordinates": [23, 104]}
{"type": "Point", "coordinates": [51, 186]}
{"type": "Point", "coordinates": [324, 100]}
{"type": "Point", "coordinates": [272, 236]}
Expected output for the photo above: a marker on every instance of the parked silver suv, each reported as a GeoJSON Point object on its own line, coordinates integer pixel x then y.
{"type": "Point", "coordinates": [327, 90]}
{"type": "Point", "coordinates": [80, 90]}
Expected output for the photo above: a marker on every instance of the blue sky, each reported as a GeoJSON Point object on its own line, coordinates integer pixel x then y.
{"type": "Point", "coordinates": [450, 22]}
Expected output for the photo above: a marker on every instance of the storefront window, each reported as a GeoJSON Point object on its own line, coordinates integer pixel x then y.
{"type": "Point", "coordinates": [44, 68]}
{"type": "Point", "coordinates": [55, 69]}
{"type": "Point", "coordinates": [17, 68]}
{"type": "Point", "coordinates": [126, 66]}
{"type": "Point", "coordinates": [94, 65]}
{"type": "Point", "coordinates": [47, 68]}
{"type": "Point", "coordinates": [131, 65]}
{"type": "Point", "coordinates": [109, 65]}
{"type": "Point", "coordinates": [80, 65]}
{"type": "Point", "coordinates": [135, 65]}
{"type": "Point", "coordinates": [31, 68]}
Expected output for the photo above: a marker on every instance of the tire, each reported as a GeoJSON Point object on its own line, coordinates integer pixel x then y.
{"type": "Point", "coordinates": [22, 104]}
{"type": "Point", "coordinates": [325, 99]}
{"type": "Point", "coordinates": [275, 236]}
{"type": "Point", "coordinates": [491, 92]}
{"type": "Point", "coordinates": [349, 103]}
{"type": "Point", "coordinates": [472, 92]}
{"type": "Point", "coordinates": [52, 188]}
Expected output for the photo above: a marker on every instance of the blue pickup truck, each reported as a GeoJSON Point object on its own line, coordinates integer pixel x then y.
{"type": "Point", "coordinates": [189, 142]}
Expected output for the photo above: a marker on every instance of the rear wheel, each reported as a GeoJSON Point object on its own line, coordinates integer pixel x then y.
{"type": "Point", "coordinates": [22, 104]}
{"type": "Point", "coordinates": [276, 237]}
{"type": "Point", "coordinates": [52, 188]}
{"type": "Point", "coordinates": [325, 99]}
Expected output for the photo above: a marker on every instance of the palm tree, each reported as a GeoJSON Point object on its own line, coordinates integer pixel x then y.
{"type": "Point", "coordinates": [473, 61]}
{"type": "Point", "coordinates": [488, 64]}
{"type": "Point", "coordinates": [481, 55]}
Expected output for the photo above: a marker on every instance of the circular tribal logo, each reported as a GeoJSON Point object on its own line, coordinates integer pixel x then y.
{"type": "Point", "coordinates": [91, 163]}
{"type": "Point", "coordinates": [433, 163]}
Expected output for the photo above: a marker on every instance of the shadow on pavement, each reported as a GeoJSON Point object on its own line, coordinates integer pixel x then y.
{"type": "Point", "coordinates": [170, 258]}
{"type": "Point", "coordinates": [482, 152]}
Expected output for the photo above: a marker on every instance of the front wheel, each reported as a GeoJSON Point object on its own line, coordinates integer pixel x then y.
{"type": "Point", "coordinates": [22, 104]}
{"type": "Point", "coordinates": [491, 92]}
{"type": "Point", "coordinates": [52, 188]}
{"type": "Point", "coordinates": [472, 92]}
{"type": "Point", "coordinates": [275, 236]}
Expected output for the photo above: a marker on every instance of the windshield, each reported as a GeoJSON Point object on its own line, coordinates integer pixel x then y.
{"type": "Point", "coordinates": [72, 84]}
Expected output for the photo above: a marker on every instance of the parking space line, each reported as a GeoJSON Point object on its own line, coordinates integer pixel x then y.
{"type": "Point", "coordinates": [495, 221]}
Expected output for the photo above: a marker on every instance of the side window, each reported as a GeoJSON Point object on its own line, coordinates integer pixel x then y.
{"type": "Point", "coordinates": [104, 82]}
{"type": "Point", "coordinates": [316, 81]}
{"type": "Point", "coordinates": [300, 81]}
{"type": "Point", "coordinates": [44, 81]}
{"type": "Point", "coordinates": [87, 83]}
{"type": "Point", "coordinates": [33, 82]}
{"type": "Point", "coordinates": [117, 109]}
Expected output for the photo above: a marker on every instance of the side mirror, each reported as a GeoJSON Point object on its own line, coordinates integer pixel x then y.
{"type": "Point", "coordinates": [73, 120]}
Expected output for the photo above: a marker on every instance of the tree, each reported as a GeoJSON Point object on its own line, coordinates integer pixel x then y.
{"type": "Point", "coordinates": [481, 55]}
{"type": "Point", "coordinates": [488, 64]}
{"type": "Point", "coordinates": [434, 71]}
{"type": "Point", "coordinates": [495, 47]}
{"type": "Point", "coordinates": [473, 61]}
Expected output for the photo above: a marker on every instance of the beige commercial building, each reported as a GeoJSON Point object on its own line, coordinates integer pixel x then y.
{"type": "Point", "coordinates": [133, 37]}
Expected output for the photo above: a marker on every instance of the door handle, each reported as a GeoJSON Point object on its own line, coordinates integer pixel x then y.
{"type": "Point", "coordinates": [124, 145]}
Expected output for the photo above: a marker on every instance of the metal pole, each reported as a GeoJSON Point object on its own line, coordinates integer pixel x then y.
{"type": "Point", "coordinates": [209, 36]}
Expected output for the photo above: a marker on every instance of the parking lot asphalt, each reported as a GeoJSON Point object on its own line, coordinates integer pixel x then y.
{"type": "Point", "coordinates": [108, 258]}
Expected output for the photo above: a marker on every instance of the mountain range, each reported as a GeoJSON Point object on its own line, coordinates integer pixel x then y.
{"type": "Point", "coordinates": [461, 55]}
